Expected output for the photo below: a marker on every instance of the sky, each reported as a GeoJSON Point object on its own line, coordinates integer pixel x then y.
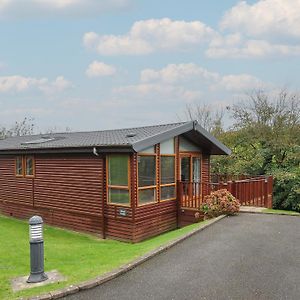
{"type": "Point", "coordinates": [103, 64]}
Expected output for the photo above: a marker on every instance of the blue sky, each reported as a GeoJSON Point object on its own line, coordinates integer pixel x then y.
{"type": "Point", "coordinates": [89, 65]}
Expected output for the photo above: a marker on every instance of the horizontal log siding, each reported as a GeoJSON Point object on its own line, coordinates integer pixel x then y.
{"type": "Point", "coordinates": [153, 219]}
{"type": "Point", "coordinates": [205, 168]}
{"type": "Point", "coordinates": [66, 191]}
{"type": "Point", "coordinates": [15, 190]}
{"type": "Point", "coordinates": [205, 172]}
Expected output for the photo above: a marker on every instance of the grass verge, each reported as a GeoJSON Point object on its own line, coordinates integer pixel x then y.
{"type": "Point", "coordinates": [279, 211]}
{"type": "Point", "coordinates": [77, 256]}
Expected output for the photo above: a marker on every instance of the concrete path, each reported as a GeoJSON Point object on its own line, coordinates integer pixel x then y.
{"type": "Point", "coordinates": [251, 209]}
{"type": "Point", "coordinates": [250, 256]}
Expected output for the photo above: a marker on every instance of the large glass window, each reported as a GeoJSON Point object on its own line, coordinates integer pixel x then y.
{"type": "Point", "coordinates": [147, 168]}
{"type": "Point", "coordinates": [118, 182]}
{"type": "Point", "coordinates": [146, 178]}
{"type": "Point", "coordinates": [167, 170]}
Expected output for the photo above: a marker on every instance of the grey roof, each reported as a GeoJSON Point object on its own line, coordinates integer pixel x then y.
{"type": "Point", "coordinates": [130, 138]}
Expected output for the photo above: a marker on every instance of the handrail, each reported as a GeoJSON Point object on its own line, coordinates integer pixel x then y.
{"type": "Point", "coordinates": [252, 191]}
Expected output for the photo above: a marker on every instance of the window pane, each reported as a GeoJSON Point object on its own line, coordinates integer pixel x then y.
{"type": "Point", "coordinates": [167, 169]}
{"type": "Point", "coordinates": [167, 147]}
{"type": "Point", "coordinates": [185, 169]}
{"type": "Point", "coordinates": [196, 169]}
{"type": "Point", "coordinates": [29, 166]}
{"type": "Point", "coordinates": [118, 170]}
{"type": "Point", "coordinates": [146, 169]}
{"type": "Point", "coordinates": [118, 196]}
{"type": "Point", "coordinates": [147, 196]}
{"type": "Point", "coordinates": [19, 166]}
{"type": "Point", "coordinates": [167, 192]}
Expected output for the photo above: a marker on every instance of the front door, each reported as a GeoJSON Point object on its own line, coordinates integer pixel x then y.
{"type": "Point", "coordinates": [190, 172]}
{"type": "Point", "coordinates": [190, 167]}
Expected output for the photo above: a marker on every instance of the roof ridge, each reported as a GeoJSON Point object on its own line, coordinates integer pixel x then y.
{"type": "Point", "coordinates": [94, 131]}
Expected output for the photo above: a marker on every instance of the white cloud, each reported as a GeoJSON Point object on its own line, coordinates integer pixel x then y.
{"type": "Point", "coordinates": [241, 82]}
{"type": "Point", "coordinates": [157, 93]}
{"type": "Point", "coordinates": [17, 84]}
{"type": "Point", "coordinates": [38, 8]}
{"type": "Point", "coordinates": [97, 68]}
{"type": "Point", "coordinates": [173, 73]}
{"type": "Point", "coordinates": [267, 18]}
{"type": "Point", "coordinates": [180, 84]}
{"type": "Point", "coordinates": [234, 46]}
{"type": "Point", "coordinates": [148, 36]}
{"type": "Point", "coordinates": [58, 85]}
{"type": "Point", "coordinates": [192, 75]}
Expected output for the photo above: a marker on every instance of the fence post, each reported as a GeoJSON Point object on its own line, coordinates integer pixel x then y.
{"type": "Point", "coordinates": [270, 192]}
{"type": "Point", "coordinates": [266, 194]}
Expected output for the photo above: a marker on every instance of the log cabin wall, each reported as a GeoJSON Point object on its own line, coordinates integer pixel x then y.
{"type": "Point", "coordinates": [155, 218]}
{"type": "Point", "coordinates": [205, 173]}
{"type": "Point", "coordinates": [66, 191]}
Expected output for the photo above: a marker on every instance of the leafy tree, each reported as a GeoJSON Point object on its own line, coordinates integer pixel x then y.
{"type": "Point", "coordinates": [271, 125]}
{"type": "Point", "coordinates": [265, 139]}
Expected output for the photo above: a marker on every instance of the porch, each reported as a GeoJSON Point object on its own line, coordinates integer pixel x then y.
{"type": "Point", "coordinates": [252, 191]}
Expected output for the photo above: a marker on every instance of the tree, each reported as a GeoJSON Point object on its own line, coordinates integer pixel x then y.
{"type": "Point", "coordinates": [271, 125]}
{"type": "Point", "coordinates": [265, 139]}
{"type": "Point", "coordinates": [207, 117]}
{"type": "Point", "coordinates": [24, 127]}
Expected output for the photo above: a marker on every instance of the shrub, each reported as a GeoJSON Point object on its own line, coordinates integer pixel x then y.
{"type": "Point", "coordinates": [287, 190]}
{"type": "Point", "coordinates": [220, 202]}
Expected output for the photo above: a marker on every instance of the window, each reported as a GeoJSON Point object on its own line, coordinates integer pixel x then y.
{"type": "Point", "coordinates": [118, 179]}
{"type": "Point", "coordinates": [167, 170]}
{"type": "Point", "coordinates": [25, 166]}
{"type": "Point", "coordinates": [146, 178]}
{"type": "Point", "coordinates": [19, 166]}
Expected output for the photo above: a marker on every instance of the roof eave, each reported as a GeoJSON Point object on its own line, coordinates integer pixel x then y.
{"type": "Point", "coordinates": [155, 139]}
{"type": "Point", "coordinates": [223, 149]}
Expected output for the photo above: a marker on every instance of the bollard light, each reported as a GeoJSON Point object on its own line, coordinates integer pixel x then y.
{"type": "Point", "coordinates": [37, 273]}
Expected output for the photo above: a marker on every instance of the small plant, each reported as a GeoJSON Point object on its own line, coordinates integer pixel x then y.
{"type": "Point", "coordinates": [220, 202]}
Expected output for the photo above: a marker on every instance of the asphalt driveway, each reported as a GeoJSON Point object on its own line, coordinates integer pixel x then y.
{"type": "Point", "coordinates": [249, 256]}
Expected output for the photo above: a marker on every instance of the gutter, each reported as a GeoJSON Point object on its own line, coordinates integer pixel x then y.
{"type": "Point", "coordinates": [122, 149]}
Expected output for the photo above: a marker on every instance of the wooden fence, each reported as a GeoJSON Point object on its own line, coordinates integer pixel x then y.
{"type": "Point", "coordinates": [255, 191]}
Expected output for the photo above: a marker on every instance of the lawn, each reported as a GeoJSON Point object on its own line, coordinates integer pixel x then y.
{"type": "Point", "coordinates": [279, 211]}
{"type": "Point", "coordinates": [76, 256]}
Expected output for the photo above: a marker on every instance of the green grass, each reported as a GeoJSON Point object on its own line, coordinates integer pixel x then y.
{"type": "Point", "coordinates": [279, 211]}
{"type": "Point", "coordinates": [77, 256]}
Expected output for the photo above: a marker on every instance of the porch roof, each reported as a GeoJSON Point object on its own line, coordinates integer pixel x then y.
{"type": "Point", "coordinates": [128, 139]}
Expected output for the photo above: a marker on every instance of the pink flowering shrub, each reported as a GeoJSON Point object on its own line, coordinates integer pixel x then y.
{"type": "Point", "coordinates": [220, 202]}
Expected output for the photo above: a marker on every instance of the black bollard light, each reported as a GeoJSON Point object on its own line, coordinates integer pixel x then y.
{"type": "Point", "coordinates": [37, 273]}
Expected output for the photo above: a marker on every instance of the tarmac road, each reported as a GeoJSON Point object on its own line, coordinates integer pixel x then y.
{"type": "Point", "coordinates": [249, 256]}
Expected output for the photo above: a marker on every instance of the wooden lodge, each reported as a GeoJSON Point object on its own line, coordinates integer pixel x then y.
{"type": "Point", "coordinates": [124, 184]}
